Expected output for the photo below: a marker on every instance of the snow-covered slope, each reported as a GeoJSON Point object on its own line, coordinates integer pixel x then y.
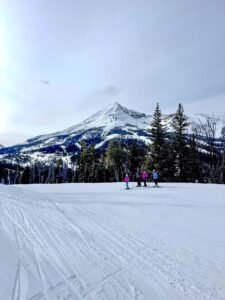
{"type": "Point", "coordinates": [98, 241]}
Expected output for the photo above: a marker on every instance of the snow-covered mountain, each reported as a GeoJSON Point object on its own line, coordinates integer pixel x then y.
{"type": "Point", "coordinates": [104, 122]}
{"type": "Point", "coordinates": [115, 121]}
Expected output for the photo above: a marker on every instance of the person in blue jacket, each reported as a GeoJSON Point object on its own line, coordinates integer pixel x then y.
{"type": "Point", "coordinates": [155, 177]}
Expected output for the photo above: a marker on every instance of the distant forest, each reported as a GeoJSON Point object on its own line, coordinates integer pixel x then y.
{"type": "Point", "coordinates": [177, 156]}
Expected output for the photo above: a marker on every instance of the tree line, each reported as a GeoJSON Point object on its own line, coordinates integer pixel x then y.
{"type": "Point", "coordinates": [186, 152]}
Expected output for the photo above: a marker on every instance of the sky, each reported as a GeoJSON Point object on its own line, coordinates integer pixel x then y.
{"type": "Point", "coordinates": [61, 61]}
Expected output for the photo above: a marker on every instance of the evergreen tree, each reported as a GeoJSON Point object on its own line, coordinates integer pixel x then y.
{"type": "Point", "coordinates": [159, 147]}
{"type": "Point", "coordinates": [83, 164]}
{"type": "Point", "coordinates": [93, 165]}
{"type": "Point", "coordinates": [180, 124]}
{"type": "Point", "coordinates": [115, 157]}
{"type": "Point", "coordinates": [34, 173]}
{"type": "Point", "coordinates": [88, 164]}
{"type": "Point", "coordinates": [51, 172]}
{"type": "Point", "coordinates": [137, 154]}
{"type": "Point", "coordinates": [3, 174]}
{"type": "Point", "coordinates": [25, 178]}
{"type": "Point", "coordinates": [193, 164]}
{"type": "Point", "coordinates": [169, 162]}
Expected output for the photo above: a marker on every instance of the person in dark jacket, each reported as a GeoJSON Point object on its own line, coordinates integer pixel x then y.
{"type": "Point", "coordinates": [138, 178]}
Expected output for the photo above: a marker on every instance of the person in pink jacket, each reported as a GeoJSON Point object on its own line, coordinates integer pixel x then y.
{"type": "Point", "coordinates": [144, 176]}
{"type": "Point", "coordinates": [126, 180]}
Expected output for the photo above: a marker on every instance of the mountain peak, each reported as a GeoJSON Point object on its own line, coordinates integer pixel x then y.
{"type": "Point", "coordinates": [116, 104]}
{"type": "Point", "coordinates": [113, 116]}
{"type": "Point", "coordinates": [117, 109]}
{"type": "Point", "coordinates": [114, 107]}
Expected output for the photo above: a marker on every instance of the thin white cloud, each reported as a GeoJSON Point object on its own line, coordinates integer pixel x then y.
{"type": "Point", "coordinates": [44, 81]}
{"type": "Point", "coordinates": [111, 90]}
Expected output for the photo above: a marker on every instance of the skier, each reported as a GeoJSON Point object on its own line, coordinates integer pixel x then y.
{"type": "Point", "coordinates": [138, 178]}
{"type": "Point", "coordinates": [144, 176]}
{"type": "Point", "coordinates": [155, 177]}
{"type": "Point", "coordinates": [126, 180]}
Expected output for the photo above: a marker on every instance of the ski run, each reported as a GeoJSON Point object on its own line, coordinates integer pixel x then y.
{"type": "Point", "coordinates": [99, 241]}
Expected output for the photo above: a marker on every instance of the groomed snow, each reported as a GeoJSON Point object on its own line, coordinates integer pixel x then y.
{"type": "Point", "coordinates": [99, 241]}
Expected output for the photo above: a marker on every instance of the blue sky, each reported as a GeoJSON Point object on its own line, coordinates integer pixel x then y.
{"type": "Point", "coordinates": [61, 61]}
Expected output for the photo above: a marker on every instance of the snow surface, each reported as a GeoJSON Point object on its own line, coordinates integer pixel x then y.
{"type": "Point", "coordinates": [99, 241]}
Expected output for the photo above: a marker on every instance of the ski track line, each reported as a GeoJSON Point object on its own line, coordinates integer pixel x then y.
{"type": "Point", "coordinates": [39, 268]}
{"type": "Point", "coordinates": [133, 254]}
{"type": "Point", "coordinates": [20, 242]}
{"type": "Point", "coordinates": [41, 275]}
{"type": "Point", "coordinates": [50, 204]}
{"type": "Point", "coordinates": [67, 258]}
{"type": "Point", "coordinates": [179, 283]}
{"type": "Point", "coordinates": [115, 241]}
{"type": "Point", "coordinates": [56, 265]}
{"type": "Point", "coordinates": [63, 252]}
{"type": "Point", "coordinates": [16, 286]}
{"type": "Point", "coordinates": [108, 276]}
{"type": "Point", "coordinates": [29, 239]}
